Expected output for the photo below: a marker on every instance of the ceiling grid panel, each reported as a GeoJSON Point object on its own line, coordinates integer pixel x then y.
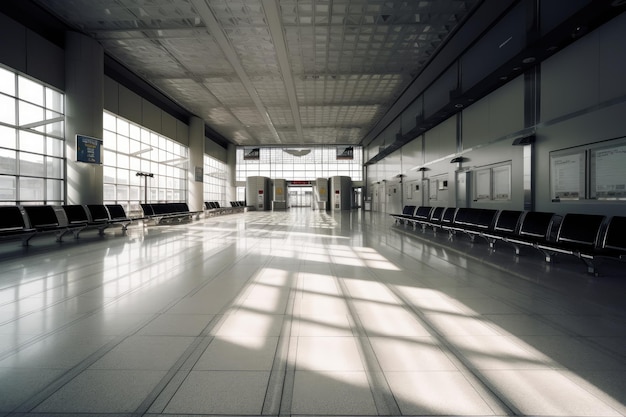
{"type": "Point", "coordinates": [265, 71]}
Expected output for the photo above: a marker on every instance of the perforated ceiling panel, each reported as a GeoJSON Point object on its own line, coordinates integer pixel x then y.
{"type": "Point", "coordinates": [265, 72]}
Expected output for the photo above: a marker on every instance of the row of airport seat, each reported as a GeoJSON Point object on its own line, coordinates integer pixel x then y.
{"type": "Point", "coordinates": [214, 207]}
{"type": "Point", "coordinates": [585, 236]}
{"type": "Point", "coordinates": [26, 222]}
{"type": "Point", "coordinates": [162, 213]}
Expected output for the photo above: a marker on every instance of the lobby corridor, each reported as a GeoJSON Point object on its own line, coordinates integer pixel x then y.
{"type": "Point", "coordinates": [300, 313]}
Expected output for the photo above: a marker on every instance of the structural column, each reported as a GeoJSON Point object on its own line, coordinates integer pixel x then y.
{"type": "Point", "coordinates": [84, 88]}
{"type": "Point", "coordinates": [196, 164]}
{"type": "Point", "coordinates": [231, 166]}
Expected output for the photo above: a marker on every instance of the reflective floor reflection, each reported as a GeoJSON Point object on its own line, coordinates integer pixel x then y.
{"type": "Point", "coordinates": [303, 313]}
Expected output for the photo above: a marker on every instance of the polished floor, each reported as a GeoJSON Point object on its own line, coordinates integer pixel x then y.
{"type": "Point", "coordinates": [303, 313]}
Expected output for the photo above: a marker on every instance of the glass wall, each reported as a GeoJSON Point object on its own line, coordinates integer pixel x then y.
{"type": "Point", "coordinates": [32, 141]}
{"type": "Point", "coordinates": [130, 149]}
{"type": "Point", "coordinates": [215, 178]}
{"type": "Point", "coordinates": [300, 163]}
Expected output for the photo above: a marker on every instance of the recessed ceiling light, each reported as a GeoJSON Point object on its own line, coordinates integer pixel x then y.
{"type": "Point", "coordinates": [528, 60]}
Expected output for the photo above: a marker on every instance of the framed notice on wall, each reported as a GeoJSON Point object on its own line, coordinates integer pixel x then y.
{"type": "Point", "coordinates": [502, 182]}
{"type": "Point", "coordinates": [596, 171]}
{"type": "Point", "coordinates": [567, 174]}
{"type": "Point", "coordinates": [492, 182]}
{"type": "Point", "coordinates": [608, 172]}
{"type": "Point", "coordinates": [199, 174]}
{"type": "Point", "coordinates": [432, 194]}
{"type": "Point", "coordinates": [482, 184]}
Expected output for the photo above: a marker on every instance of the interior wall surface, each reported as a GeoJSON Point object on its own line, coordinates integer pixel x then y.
{"type": "Point", "coordinates": [583, 102]}
{"type": "Point", "coordinates": [440, 141]}
{"type": "Point", "coordinates": [28, 52]}
{"type": "Point", "coordinates": [393, 165]}
{"type": "Point", "coordinates": [393, 196]}
{"type": "Point", "coordinates": [581, 96]}
{"type": "Point", "coordinates": [488, 129]}
{"type": "Point", "coordinates": [412, 157]}
{"type": "Point", "coordinates": [497, 115]}
{"type": "Point", "coordinates": [127, 104]}
{"type": "Point", "coordinates": [214, 150]}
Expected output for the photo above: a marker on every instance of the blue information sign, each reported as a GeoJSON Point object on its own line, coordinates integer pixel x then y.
{"type": "Point", "coordinates": [88, 149]}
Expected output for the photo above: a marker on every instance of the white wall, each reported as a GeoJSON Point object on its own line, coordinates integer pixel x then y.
{"type": "Point", "coordinates": [582, 100]}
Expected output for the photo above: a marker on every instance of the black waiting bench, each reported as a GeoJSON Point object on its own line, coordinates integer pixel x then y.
{"type": "Point", "coordinates": [96, 216]}
{"type": "Point", "coordinates": [213, 207]}
{"type": "Point", "coordinates": [163, 213]}
{"type": "Point", "coordinates": [25, 222]}
{"type": "Point", "coordinates": [585, 236]}
{"type": "Point", "coordinates": [13, 225]}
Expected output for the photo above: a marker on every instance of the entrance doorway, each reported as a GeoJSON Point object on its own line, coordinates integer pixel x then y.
{"type": "Point", "coordinates": [300, 196]}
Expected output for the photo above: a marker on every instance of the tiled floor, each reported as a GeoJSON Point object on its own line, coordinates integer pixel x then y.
{"type": "Point", "coordinates": [303, 313]}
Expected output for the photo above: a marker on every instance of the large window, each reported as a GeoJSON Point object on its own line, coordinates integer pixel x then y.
{"type": "Point", "coordinates": [300, 163]}
{"type": "Point", "coordinates": [32, 145]}
{"type": "Point", "coordinates": [215, 178]}
{"type": "Point", "coordinates": [129, 150]}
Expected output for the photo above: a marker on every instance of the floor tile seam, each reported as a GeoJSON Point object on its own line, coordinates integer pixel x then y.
{"type": "Point", "coordinates": [542, 317]}
{"type": "Point", "coordinates": [85, 248]}
{"type": "Point", "coordinates": [60, 414]}
{"type": "Point", "coordinates": [585, 339]}
{"type": "Point", "coordinates": [170, 385]}
{"type": "Point", "coordinates": [66, 377]}
{"type": "Point", "coordinates": [552, 324]}
{"type": "Point", "coordinates": [382, 394]}
{"type": "Point", "coordinates": [594, 391]}
{"type": "Point", "coordinates": [56, 276]}
{"type": "Point", "coordinates": [515, 273]}
{"type": "Point", "coordinates": [277, 388]}
{"type": "Point", "coordinates": [215, 275]}
{"type": "Point", "coordinates": [163, 393]}
{"type": "Point", "coordinates": [291, 354]}
{"type": "Point", "coordinates": [66, 299]}
{"type": "Point", "coordinates": [79, 318]}
{"type": "Point", "coordinates": [86, 363]}
{"type": "Point", "coordinates": [495, 400]}
{"type": "Point", "coordinates": [194, 350]}
{"type": "Point", "coordinates": [237, 302]}
{"type": "Point", "coordinates": [33, 280]}
{"type": "Point", "coordinates": [475, 259]}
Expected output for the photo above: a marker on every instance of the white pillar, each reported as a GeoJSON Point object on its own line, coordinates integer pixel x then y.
{"type": "Point", "coordinates": [84, 89]}
{"type": "Point", "coordinates": [196, 164]}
